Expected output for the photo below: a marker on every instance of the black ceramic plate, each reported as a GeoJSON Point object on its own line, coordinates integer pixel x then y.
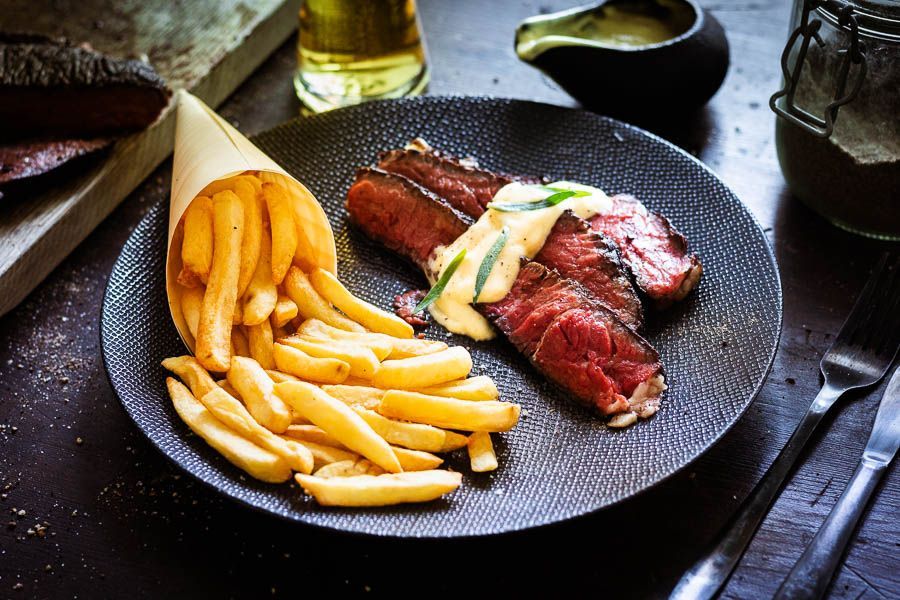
{"type": "Point", "coordinates": [560, 462]}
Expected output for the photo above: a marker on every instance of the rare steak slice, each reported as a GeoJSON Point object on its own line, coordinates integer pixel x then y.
{"type": "Point", "coordinates": [592, 259]}
{"type": "Point", "coordinates": [654, 250]}
{"type": "Point", "coordinates": [405, 305]}
{"type": "Point", "coordinates": [402, 215]}
{"type": "Point", "coordinates": [464, 185]}
{"type": "Point", "coordinates": [578, 343]}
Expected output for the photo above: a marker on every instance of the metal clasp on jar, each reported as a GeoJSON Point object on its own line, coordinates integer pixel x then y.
{"type": "Point", "coordinates": [820, 127]}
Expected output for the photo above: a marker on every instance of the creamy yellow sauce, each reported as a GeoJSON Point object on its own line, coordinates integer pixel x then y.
{"type": "Point", "coordinates": [528, 230]}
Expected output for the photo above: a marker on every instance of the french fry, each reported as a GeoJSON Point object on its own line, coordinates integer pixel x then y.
{"type": "Point", "coordinates": [284, 230]}
{"type": "Point", "coordinates": [253, 228]}
{"type": "Point", "coordinates": [355, 395]}
{"type": "Point", "coordinates": [480, 387]}
{"type": "Point", "coordinates": [414, 436]}
{"type": "Point", "coordinates": [261, 296]}
{"type": "Point", "coordinates": [339, 420]}
{"type": "Point", "coordinates": [381, 347]}
{"type": "Point", "coordinates": [285, 310]}
{"type": "Point", "coordinates": [310, 305]}
{"type": "Point", "coordinates": [325, 455]}
{"type": "Point", "coordinates": [233, 414]}
{"type": "Point", "coordinates": [369, 316]}
{"type": "Point", "coordinates": [296, 362]}
{"type": "Point", "coordinates": [279, 332]}
{"type": "Point", "coordinates": [416, 460]}
{"type": "Point", "coordinates": [197, 244]}
{"type": "Point", "coordinates": [481, 452]}
{"type": "Point", "coordinates": [380, 490]}
{"type": "Point", "coordinates": [349, 468]}
{"type": "Point", "coordinates": [261, 343]}
{"type": "Point", "coordinates": [314, 434]}
{"type": "Point", "coordinates": [278, 376]}
{"type": "Point", "coordinates": [191, 301]}
{"type": "Point", "coordinates": [190, 371]}
{"type": "Point", "coordinates": [228, 184]}
{"type": "Point", "coordinates": [223, 383]}
{"type": "Point", "coordinates": [238, 450]}
{"type": "Point", "coordinates": [238, 316]}
{"type": "Point", "coordinates": [399, 348]}
{"type": "Point", "coordinates": [240, 346]}
{"type": "Point", "coordinates": [453, 441]}
{"type": "Point", "coordinates": [257, 390]}
{"type": "Point", "coordinates": [424, 371]}
{"type": "Point", "coordinates": [449, 413]}
{"type": "Point", "coordinates": [213, 347]}
{"type": "Point", "coordinates": [363, 362]}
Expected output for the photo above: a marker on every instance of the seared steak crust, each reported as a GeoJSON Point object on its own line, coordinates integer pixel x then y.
{"type": "Point", "coordinates": [590, 258]}
{"type": "Point", "coordinates": [402, 215]}
{"type": "Point", "coordinates": [656, 252]}
{"type": "Point", "coordinates": [20, 160]}
{"type": "Point", "coordinates": [573, 339]}
{"type": "Point", "coordinates": [466, 187]}
{"type": "Point", "coordinates": [49, 87]}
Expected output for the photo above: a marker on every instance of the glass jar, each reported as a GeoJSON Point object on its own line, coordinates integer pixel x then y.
{"type": "Point", "coordinates": [838, 126]}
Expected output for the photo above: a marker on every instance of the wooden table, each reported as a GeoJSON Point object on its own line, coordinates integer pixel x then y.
{"type": "Point", "coordinates": [93, 510]}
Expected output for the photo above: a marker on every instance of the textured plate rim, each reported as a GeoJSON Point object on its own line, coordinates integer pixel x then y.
{"type": "Point", "coordinates": [298, 517]}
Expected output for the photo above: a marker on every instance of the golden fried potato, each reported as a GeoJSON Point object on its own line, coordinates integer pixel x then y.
{"type": "Point", "coordinates": [285, 310]}
{"type": "Point", "coordinates": [296, 362]}
{"type": "Point", "coordinates": [311, 305]}
{"type": "Point", "coordinates": [213, 347]}
{"type": "Point", "coordinates": [314, 434]}
{"type": "Point", "coordinates": [257, 391]}
{"type": "Point", "coordinates": [453, 441]}
{"type": "Point", "coordinates": [339, 420]}
{"type": "Point", "coordinates": [349, 468]}
{"type": "Point", "coordinates": [380, 490]}
{"type": "Point", "coordinates": [191, 301]}
{"type": "Point", "coordinates": [325, 455]}
{"type": "Point", "coordinates": [238, 450]}
{"type": "Point", "coordinates": [414, 436]}
{"type": "Point", "coordinates": [220, 185]}
{"type": "Point", "coordinates": [284, 230]}
{"type": "Point", "coordinates": [489, 415]}
{"type": "Point", "coordinates": [399, 348]}
{"type": "Point", "coordinates": [233, 414]}
{"type": "Point", "coordinates": [240, 346]}
{"type": "Point", "coordinates": [261, 296]}
{"type": "Point", "coordinates": [356, 395]}
{"type": "Point", "coordinates": [190, 371]}
{"type": "Point", "coordinates": [480, 387]}
{"type": "Point", "coordinates": [253, 230]}
{"type": "Point", "coordinates": [369, 316]}
{"type": "Point", "coordinates": [262, 344]}
{"type": "Point", "coordinates": [363, 362]}
{"type": "Point", "coordinates": [481, 452]}
{"type": "Point", "coordinates": [416, 460]}
{"type": "Point", "coordinates": [197, 243]}
{"type": "Point", "coordinates": [424, 371]}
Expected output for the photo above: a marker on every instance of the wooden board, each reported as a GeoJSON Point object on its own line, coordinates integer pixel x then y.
{"type": "Point", "coordinates": [206, 46]}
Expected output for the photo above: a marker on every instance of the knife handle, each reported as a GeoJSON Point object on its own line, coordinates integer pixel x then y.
{"type": "Point", "coordinates": [709, 574]}
{"type": "Point", "coordinates": [810, 577]}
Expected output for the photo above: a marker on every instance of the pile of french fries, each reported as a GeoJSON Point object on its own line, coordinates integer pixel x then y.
{"type": "Point", "coordinates": [293, 375]}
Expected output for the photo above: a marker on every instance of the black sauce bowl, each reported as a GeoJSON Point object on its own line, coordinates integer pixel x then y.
{"type": "Point", "coordinates": [676, 75]}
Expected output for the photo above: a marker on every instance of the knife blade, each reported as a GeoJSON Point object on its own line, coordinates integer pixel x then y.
{"type": "Point", "coordinates": [885, 438]}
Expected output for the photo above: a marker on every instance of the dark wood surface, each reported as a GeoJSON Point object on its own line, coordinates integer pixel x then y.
{"type": "Point", "coordinates": [92, 510]}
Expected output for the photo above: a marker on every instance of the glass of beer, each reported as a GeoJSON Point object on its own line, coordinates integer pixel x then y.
{"type": "Point", "coordinates": [350, 51]}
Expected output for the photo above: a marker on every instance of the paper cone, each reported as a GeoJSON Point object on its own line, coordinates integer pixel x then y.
{"type": "Point", "coordinates": [207, 148]}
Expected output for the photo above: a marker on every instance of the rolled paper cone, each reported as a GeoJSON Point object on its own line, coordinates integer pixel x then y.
{"type": "Point", "coordinates": [207, 149]}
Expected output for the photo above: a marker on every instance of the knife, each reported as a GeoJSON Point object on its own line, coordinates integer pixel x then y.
{"type": "Point", "coordinates": [810, 577]}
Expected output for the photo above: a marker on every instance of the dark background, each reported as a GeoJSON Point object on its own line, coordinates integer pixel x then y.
{"type": "Point", "coordinates": [91, 510]}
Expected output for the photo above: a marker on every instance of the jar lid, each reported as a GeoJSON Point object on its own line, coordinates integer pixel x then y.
{"type": "Point", "coordinates": [878, 19]}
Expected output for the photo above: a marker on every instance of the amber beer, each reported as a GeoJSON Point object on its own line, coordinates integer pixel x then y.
{"type": "Point", "coordinates": [350, 51]}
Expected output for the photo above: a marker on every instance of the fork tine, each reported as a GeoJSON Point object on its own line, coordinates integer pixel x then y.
{"type": "Point", "coordinates": [861, 312]}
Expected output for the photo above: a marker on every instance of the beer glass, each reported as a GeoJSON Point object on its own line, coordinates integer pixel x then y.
{"type": "Point", "coordinates": [350, 51]}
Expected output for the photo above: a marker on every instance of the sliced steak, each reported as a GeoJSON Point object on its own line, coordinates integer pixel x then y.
{"type": "Point", "coordinates": [402, 215]}
{"type": "Point", "coordinates": [592, 259]}
{"type": "Point", "coordinates": [405, 304]}
{"type": "Point", "coordinates": [21, 160]}
{"type": "Point", "coordinates": [578, 343]}
{"type": "Point", "coordinates": [654, 250]}
{"type": "Point", "coordinates": [465, 186]}
{"type": "Point", "coordinates": [50, 87]}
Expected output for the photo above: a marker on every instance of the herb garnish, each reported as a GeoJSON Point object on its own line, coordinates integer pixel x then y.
{"type": "Point", "coordinates": [441, 283]}
{"type": "Point", "coordinates": [488, 263]}
{"type": "Point", "coordinates": [553, 199]}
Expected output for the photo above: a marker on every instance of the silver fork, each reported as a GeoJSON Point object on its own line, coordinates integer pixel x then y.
{"type": "Point", "coordinates": [859, 357]}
